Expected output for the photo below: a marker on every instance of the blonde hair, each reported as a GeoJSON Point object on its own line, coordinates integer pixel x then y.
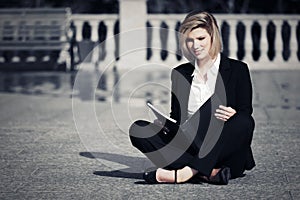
{"type": "Point", "coordinates": [200, 20]}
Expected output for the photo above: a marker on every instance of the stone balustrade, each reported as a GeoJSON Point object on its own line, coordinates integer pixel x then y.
{"type": "Point", "coordinates": [94, 21]}
{"type": "Point", "coordinates": [262, 41]}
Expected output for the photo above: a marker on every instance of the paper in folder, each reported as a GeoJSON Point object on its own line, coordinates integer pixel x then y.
{"type": "Point", "coordinates": [160, 116]}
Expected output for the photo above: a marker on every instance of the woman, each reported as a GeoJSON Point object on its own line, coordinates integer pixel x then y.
{"type": "Point", "coordinates": [212, 104]}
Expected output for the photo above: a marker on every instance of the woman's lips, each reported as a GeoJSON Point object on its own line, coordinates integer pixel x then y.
{"type": "Point", "coordinates": [197, 52]}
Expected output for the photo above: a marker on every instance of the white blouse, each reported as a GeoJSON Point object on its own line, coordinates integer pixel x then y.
{"type": "Point", "coordinates": [201, 92]}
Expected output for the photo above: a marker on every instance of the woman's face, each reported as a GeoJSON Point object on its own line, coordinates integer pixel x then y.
{"type": "Point", "coordinates": [199, 43]}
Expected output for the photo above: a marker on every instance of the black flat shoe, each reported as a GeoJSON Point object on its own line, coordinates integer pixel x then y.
{"type": "Point", "coordinates": [150, 177]}
{"type": "Point", "coordinates": [222, 177]}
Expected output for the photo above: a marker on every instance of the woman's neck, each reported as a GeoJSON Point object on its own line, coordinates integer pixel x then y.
{"type": "Point", "coordinates": [205, 64]}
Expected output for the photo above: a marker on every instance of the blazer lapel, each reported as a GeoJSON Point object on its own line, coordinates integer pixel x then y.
{"type": "Point", "coordinates": [222, 79]}
{"type": "Point", "coordinates": [224, 69]}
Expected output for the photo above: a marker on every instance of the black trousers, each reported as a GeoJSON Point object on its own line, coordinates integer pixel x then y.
{"type": "Point", "coordinates": [232, 149]}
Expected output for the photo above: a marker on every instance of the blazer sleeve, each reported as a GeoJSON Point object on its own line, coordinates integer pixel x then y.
{"type": "Point", "coordinates": [244, 91]}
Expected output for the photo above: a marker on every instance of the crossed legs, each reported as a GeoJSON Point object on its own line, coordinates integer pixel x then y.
{"type": "Point", "coordinates": [232, 149]}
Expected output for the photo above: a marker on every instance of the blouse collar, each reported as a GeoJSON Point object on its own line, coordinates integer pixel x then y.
{"type": "Point", "coordinates": [213, 70]}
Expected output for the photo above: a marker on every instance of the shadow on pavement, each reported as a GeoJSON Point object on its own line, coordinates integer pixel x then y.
{"type": "Point", "coordinates": [119, 174]}
{"type": "Point", "coordinates": [133, 163]}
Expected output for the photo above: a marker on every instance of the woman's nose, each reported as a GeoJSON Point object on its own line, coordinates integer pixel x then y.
{"type": "Point", "coordinates": [196, 44]}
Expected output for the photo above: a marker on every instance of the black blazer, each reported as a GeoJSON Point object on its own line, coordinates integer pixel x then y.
{"type": "Point", "coordinates": [234, 89]}
{"type": "Point", "coordinates": [233, 75]}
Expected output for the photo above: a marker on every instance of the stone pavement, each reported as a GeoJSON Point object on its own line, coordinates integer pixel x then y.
{"type": "Point", "coordinates": [43, 156]}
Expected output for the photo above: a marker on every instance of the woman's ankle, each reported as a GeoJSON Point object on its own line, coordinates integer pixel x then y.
{"type": "Point", "coordinates": [182, 175]}
{"type": "Point", "coordinates": [214, 172]}
{"type": "Point", "coordinates": [165, 176]}
{"type": "Point", "coordinates": [185, 174]}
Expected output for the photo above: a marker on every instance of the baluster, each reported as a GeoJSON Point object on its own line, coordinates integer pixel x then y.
{"type": "Point", "coordinates": [79, 26]}
{"type": "Point", "coordinates": [263, 42]}
{"type": "Point", "coordinates": [232, 38]}
{"type": "Point", "coordinates": [248, 41]}
{"type": "Point", "coordinates": [110, 43]}
{"type": "Point", "coordinates": [94, 26]}
{"type": "Point", "coordinates": [107, 63]}
{"type": "Point", "coordinates": [155, 43]}
{"type": "Point", "coordinates": [278, 42]}
{"type": "Point", "coordinates": [171, 43]}
{"type": "Point", "coordinates": [293, 41]}
{"type": "Point", "coordinates": [94, 38]}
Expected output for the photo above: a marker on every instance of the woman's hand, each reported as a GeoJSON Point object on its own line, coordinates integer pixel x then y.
{"type": "Point", "coordinates": [224, 113]}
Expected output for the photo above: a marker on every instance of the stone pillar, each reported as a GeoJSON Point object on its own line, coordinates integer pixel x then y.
{"type": "Point", "coordinates": [278, 42]}
{"type": "Point", "coordinates": [172, 42]}
{"type": "Point", "coordinates": [248, 42]}
{"type": "Point", "coordinates": [79, 25]}
{"type": "Point", "coordinates": [232, 38]}
{"type": "Point", "coordinates": [263, 42]}
{"type": "Point", "coordinates": [293, 42]}
{"type": "Point", "coordinates": [110, 42]}
{"type": "Point", "coordinates": [133, 17]}
{"type": "Point", "coordinates": [94, 24]}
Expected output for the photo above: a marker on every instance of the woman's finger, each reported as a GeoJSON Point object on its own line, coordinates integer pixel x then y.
{"type": "Point", "coordinates": [222, 112]}
{"type": "Point", "coordinates": [222, 116]}
{"type": "Point", "coordinates": [228, 109]}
